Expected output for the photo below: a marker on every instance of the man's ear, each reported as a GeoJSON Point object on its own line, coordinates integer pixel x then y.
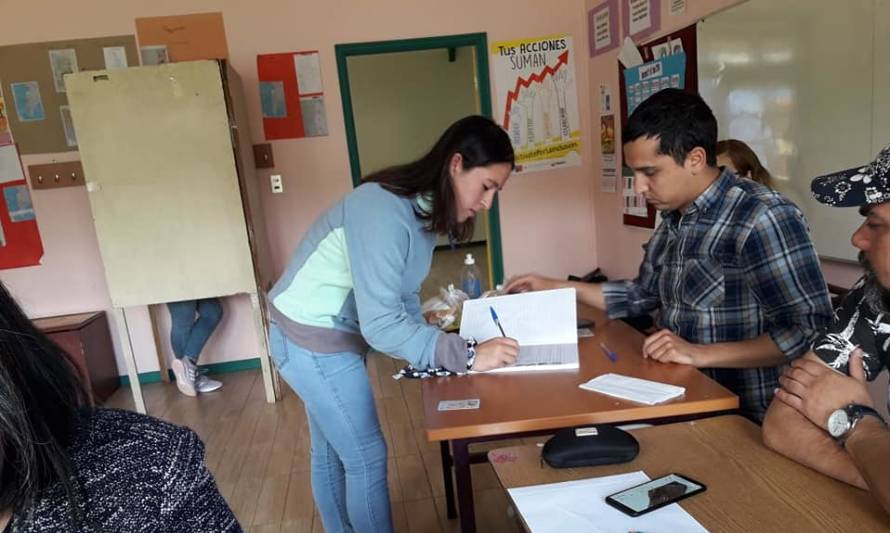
{"type": "Point", "coordinates": [696, 160]}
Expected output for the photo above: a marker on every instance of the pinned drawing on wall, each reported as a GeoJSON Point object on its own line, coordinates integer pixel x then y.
{"type": "Point", "coordinates": [292, 95]}
{"type": "Point", "coordinates": [62, 62]}
{"type": "Point", "coordinates": [154, 55]}
{"type": "Point", "coordinates": [18, 203]}
{"type": "Point", "coordinates": [5, 132]}
{"type": "Point", "coordinates": [20, 243]}
{"type": "Point", "coordinates": [185, 37]}
{"type": "Point", "coordinates": [68, 125]}
{"type": "Point", "coordinates": [641, 17]}
{"type": "Point", "coordinates": [602, 28]}
{"type": "Point", "coordinates": [28, 104]}
{"type": "Point", "coordinates": [538, 101]}
{"type": "Point", "coordinates": [115, 57]}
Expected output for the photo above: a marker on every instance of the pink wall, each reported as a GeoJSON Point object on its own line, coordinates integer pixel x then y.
{"type": "Point", "coordinates": [546, 217]}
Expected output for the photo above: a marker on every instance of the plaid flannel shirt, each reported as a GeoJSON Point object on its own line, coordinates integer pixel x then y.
{"type": "Point", "coordinates": [737, 264]}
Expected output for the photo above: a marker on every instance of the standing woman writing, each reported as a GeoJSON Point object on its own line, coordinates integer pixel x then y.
{"type": "Point", "coordinates": [353, 284]}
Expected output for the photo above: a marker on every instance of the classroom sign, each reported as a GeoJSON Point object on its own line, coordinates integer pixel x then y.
{"type": "Point", "coordinates": [538, 102]}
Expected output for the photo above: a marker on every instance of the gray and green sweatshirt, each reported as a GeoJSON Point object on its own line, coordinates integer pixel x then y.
{"type": "Point", "coordinates": [354, 282]}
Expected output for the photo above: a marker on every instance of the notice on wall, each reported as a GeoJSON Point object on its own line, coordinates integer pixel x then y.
{"type": "Point", "coordinates": [538, 101]}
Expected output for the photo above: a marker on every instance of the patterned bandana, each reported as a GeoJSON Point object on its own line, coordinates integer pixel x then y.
{"type": "Point", "coordinates": [868, 185]}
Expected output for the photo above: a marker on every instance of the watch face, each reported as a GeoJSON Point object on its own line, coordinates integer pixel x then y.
{"type": "Point", "coordinates": [838, 423]}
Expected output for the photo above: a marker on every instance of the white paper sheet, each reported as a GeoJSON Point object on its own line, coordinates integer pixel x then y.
{"type": "Point", "coordinates": [10, 167]}
{"type": "Point", "coordinates": [633, 389]}
{"type": "Point", "coordinates": [580, 506]}
{"type": "Point", "coordinates": [544, 323]}
{"type": "Point", "coordinates": [308, 73]}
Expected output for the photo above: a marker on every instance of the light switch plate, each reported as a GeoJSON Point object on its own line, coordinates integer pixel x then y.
{"type": "Point", "coordinates": [277, 185]}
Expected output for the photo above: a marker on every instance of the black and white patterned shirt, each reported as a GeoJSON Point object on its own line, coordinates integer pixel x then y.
{"type": "Point", "coordinates": [856, 324]}
{"type": "Point", "coordinates": [134, 473]}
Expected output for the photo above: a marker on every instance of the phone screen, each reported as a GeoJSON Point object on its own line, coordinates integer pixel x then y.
{"type": "Point", "coordinates": [656, 493]}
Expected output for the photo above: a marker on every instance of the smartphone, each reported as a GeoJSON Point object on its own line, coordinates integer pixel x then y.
{"type": "Point", "coordinates": [585, 323]}
{"type": "Point", "coordinates": [654, 494]}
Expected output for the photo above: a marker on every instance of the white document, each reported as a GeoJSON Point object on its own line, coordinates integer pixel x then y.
{"type": "Point", "coordinates": [633, 389]}
{"type": "Point", "coordinates": [640, 12]}
{"type": "Point", "coordinates": [544, 323]}
{"type": "Point", "coordinates": [115, 57]}
{"type": "Point", "coordinates": [10, 166]}
{"type": "Point", "coordinates": [629, 55]}
{"type": "Point", "coordinates": [308, 73]}
{"type": "Point", "coordinates": [580, 506]}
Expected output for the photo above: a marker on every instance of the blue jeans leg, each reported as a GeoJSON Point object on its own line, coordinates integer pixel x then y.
{"type": "Point", "coordinates": [209, 314]}
{"type": "Point", "coordinates": [182, 320]}
{"type": "Point", "coordinates": [345, 433]}
{"type": "Point", "coordinates": [188, 335]}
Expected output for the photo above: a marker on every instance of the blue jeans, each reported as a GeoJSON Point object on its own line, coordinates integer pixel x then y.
{"type": "Point", "coordinates": [188, 335]}
{"type": "Point", "coordinates": [348, 450]}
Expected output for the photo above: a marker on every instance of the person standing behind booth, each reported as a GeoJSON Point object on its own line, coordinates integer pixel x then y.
{"type": "Point", "coordinates": [192, 324]}
{"type": "Point", "coordinates": [354, 282]}
{"type": "Point", "coordinates": [731, 268]}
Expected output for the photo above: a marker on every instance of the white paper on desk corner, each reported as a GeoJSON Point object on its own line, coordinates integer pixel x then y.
{"type": "Point", "coordinates": [544, 323]}
{"type": "Point", "coordinates": [580, 506]}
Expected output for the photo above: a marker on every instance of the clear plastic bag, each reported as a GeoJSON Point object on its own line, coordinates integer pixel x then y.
{"type": "Point", "coordinates": [444, 310]}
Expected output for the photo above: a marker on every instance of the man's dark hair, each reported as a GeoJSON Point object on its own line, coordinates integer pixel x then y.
{"type": "Point", "coordinates": [679, 120]}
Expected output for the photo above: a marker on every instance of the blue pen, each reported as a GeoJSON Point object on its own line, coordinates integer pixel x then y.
{"type": "Point", "coordinates": [494, 316]}
{"type": "Point", "coordinates": [609, 353]}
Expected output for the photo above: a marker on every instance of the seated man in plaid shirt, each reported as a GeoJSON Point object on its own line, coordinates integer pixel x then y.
{"type": "Point", "coordinates": [731, 269]}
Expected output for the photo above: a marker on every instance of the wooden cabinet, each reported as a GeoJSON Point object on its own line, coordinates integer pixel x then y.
{"type": "Point", "coordinates": [86, 339]}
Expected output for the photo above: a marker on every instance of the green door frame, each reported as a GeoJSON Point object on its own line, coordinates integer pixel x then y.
{"type": "Point", "coordinates": [479, 41]}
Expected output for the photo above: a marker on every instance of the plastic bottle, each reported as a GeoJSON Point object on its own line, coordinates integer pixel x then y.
{"type": "Point", "coordinates": [470, 282]}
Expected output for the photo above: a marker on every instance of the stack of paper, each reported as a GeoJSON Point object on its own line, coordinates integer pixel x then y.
{"type": "Point", "coordinates": [633, 389]}
{"type": "Point", "coordinates": [580, 506]}
{"type": "Point", "coordinates": [544, 323]}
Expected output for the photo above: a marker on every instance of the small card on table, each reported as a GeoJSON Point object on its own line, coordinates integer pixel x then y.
{"type": "Point", "coordinates": [456, 405]}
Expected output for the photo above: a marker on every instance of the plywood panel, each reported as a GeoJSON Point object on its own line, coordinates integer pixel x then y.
{"type": "Point", "coordinates": [157, 151]}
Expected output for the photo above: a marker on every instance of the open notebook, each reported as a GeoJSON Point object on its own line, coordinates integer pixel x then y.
{"type": "Point", "coordinates": [544, 323]}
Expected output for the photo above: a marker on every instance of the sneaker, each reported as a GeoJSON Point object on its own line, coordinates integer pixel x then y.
{"type": "Point", "coordinates": [185, 373]}
{"type": "Point", "coordinates": [204, 384]}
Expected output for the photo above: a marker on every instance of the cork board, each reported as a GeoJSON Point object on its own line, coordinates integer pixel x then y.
{"type": "Point", "coordinates": [23, 63]}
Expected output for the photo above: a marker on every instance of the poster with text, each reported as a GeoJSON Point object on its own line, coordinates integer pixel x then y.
{"type": "Point", "coordinates": [537, 101]}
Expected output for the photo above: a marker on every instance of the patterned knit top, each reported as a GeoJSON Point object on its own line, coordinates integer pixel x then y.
{"type": "Point", "coordinates": [134, 473]}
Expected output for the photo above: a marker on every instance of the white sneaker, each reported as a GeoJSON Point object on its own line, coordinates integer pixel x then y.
{"type": "Point", "coordinates": [185, 373]}
{"type": "Point", "coordinates": [205, 384]}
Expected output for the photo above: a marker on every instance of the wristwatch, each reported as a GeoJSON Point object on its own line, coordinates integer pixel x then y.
{"type": "Point", "coordinates": [842, 421]}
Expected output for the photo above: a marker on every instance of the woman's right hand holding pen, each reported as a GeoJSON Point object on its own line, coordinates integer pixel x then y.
{"type": "Point", "coordinates": [495, 353]}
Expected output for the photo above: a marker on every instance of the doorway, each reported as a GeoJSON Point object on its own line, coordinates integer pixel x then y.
{"type": "Point", "coordinates": [398, 97]}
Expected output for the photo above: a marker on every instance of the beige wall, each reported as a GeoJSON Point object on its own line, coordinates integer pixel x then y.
{"type": "Point", "coordinates": [546, 217]}
{"type": "Point", "coordinates": [404, 101]}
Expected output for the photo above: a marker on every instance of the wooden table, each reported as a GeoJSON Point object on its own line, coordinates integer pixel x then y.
{"type": "Point", "coordinates": [749, 487]}
{"type": "Point", "coordinates": [518, 404]}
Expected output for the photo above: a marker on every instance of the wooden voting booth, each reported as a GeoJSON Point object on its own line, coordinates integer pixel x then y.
{"type": "Point", "coordinates": [173, 195]}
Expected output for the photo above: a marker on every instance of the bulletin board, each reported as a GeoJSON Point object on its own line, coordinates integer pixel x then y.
{"type": "Point", "coordinates": [22, 63]}
{"type": "Point", "coordinates": [689, 38]}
